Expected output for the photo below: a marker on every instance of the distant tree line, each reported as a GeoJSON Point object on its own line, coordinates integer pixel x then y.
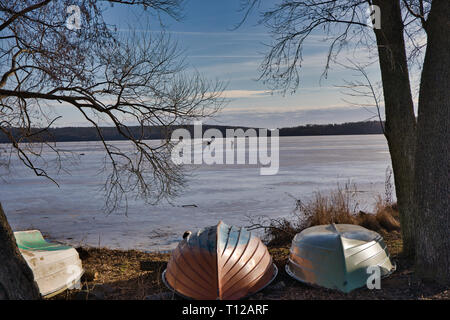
{"type": "Point", "coordinates": [67, 134]}
{"type": "Point", "coordinates": [362, 127]}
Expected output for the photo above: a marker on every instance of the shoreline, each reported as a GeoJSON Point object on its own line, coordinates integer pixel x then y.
{"type": "Point", "coordinates": [136, 275]}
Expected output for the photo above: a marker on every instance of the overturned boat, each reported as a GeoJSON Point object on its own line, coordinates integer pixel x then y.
{"type": "Point", "coordinates": [55, 267]}
{"type": "Point", "coordinates": [219, 262]}
{"type": "Point", "coordinates": [338, 256]}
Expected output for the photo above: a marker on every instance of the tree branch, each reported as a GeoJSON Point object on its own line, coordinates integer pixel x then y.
{"type": "Point", "coordinates": [19, 14]}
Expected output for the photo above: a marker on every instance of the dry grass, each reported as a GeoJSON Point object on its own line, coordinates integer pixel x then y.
{"type": "Point", "coordinates": [337, 207]}
{"type": "Point", "coordinates": [340, 206]}
{"type": "Point", "coordinates": [118, 274]}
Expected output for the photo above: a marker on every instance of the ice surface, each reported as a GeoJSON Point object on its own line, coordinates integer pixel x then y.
{"type": "Point", "coordinates": [73, 212]}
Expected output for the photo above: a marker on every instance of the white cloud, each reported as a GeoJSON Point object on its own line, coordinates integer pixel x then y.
{"type": "Point", "coordinates": [279, 109]}
{"type": "Point", "coordinates": [235, 94]}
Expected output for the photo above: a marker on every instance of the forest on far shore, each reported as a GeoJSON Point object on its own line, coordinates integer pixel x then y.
{"type": "Point", "coordinates": [158, 132]}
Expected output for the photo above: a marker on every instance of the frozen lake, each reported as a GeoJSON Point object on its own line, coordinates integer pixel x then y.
{"type": "Point", "coordinates": [73, 212]}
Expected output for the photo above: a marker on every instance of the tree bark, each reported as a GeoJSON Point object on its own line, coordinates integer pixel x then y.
{"type": "Point", "coordinates": [16, 278]}
{"type": "Point", "coordinates": [400, 125]}
{"type": "Point", "coordinates": [432, 157]}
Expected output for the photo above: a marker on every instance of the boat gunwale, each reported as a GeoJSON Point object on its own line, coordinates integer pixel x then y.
{"type": "Point", "coordinates": [64, 287]}
{"type": "Point", "coordinates": [164, 280]}
{"type": "Point", "coordinates": [315, 285]}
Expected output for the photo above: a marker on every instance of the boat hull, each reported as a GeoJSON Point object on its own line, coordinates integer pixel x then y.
{"type": "Point", "coordinates": [219, 262]}
{"type": "Point", "coordinates": [55, 267]}
{"type": "Point", "coordinates": [340, 257]}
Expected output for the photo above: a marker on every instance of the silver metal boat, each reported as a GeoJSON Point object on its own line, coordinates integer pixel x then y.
{"type": "Point", "coordinates": [338, 256]}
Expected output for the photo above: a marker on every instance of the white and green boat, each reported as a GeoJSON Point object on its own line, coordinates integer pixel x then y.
{"type": "Point", "coordinates": [55, 267]}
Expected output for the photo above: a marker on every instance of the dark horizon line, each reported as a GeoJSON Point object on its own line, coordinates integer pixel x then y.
{"type": "Point", "coordinates": [68, 134]}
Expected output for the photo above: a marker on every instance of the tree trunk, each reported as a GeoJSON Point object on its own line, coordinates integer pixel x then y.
{"type": "Point", "coordinates": [400, 119]}
{"type": "Point", "coordinates": [16, 278]}
{"type": "Point", "coordinates": [432, 157]}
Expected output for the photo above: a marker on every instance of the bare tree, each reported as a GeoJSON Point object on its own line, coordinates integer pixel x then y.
{"type": "Point", "coordinates": [408, 28]}
{"type": "Point", "coordinates": [127, 82]}
{"type": "Point", "coordinates": [363, 93]}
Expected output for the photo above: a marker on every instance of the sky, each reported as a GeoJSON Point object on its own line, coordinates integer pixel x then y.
{"type": "Point", "coordinates": [213, 48]}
